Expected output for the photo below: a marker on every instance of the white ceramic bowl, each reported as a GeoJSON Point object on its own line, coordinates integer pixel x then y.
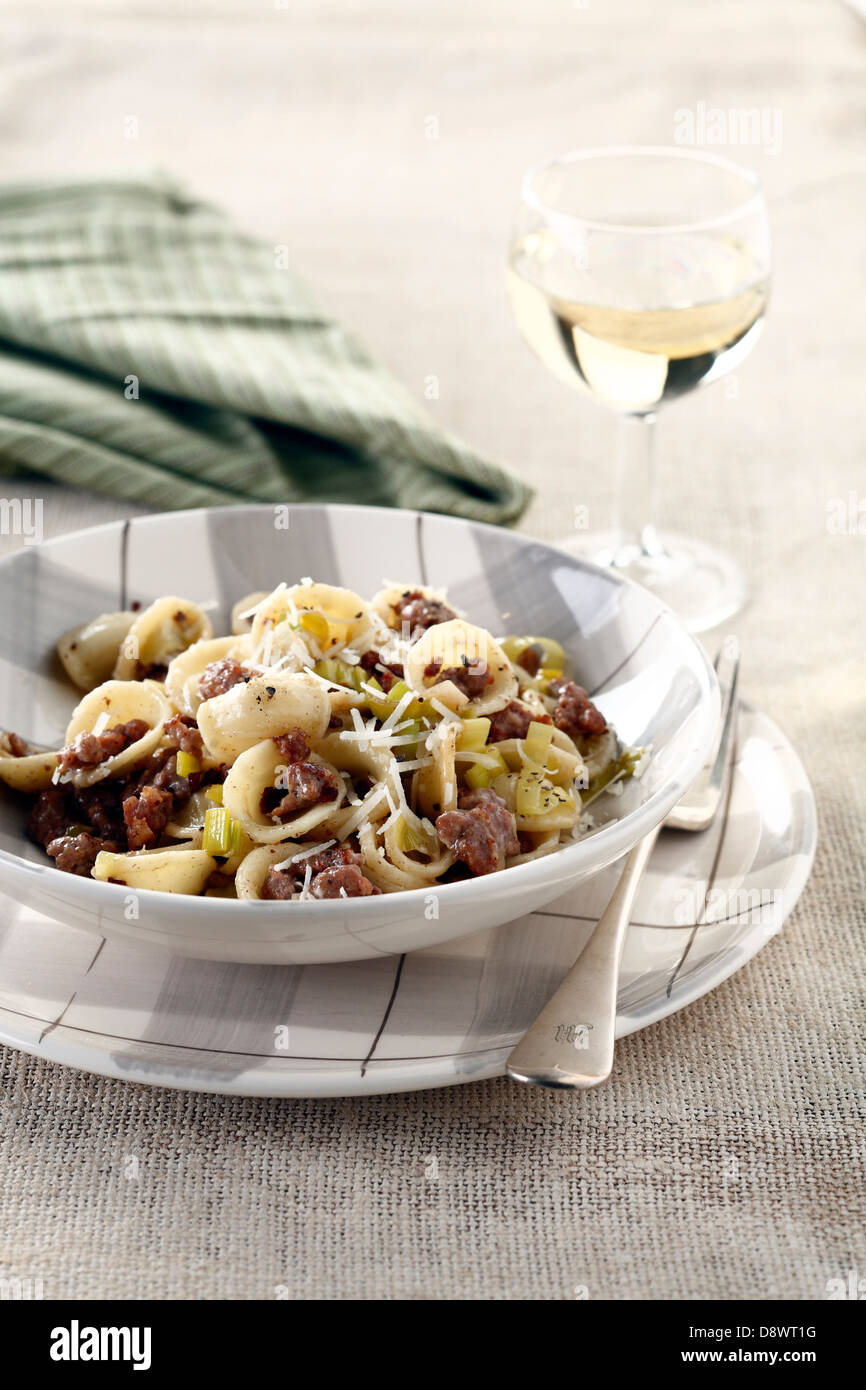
{"type": "Point", "coordinates": [648, 675]}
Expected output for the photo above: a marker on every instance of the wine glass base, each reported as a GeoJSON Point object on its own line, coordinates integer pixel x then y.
{"type": "Point", "coordinates": [702, 585]}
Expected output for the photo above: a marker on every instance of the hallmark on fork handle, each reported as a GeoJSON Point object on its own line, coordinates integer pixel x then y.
{"type": "Point", "coordinates": [575, 1033]}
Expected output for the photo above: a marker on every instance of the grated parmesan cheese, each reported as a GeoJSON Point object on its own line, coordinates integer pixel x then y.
{"type": "Point", "coordinates": [361, 732]}
{"type": "Point", "coordinates": [399, 710]}
{"type": "Point", "coordinates": [304, 854]}
{"type": "Point", "coordinates": [361, 816]}
{"type": "Point", "coordinates": [445, 712]}
{"type": "Point", "coordinates": [331, 685]}
{"type": "Point", "coordinates": [483, 759]}
{"type": "Point", "coordinates": [368, 736]}
{"type": "Point", "coordinates": [415, 764]}
{"type": "Point", "coordinates": [252, 612]}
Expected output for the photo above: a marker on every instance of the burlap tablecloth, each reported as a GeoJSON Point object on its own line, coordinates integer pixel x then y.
{"type": "Point", "coordinates": [725, 1158]}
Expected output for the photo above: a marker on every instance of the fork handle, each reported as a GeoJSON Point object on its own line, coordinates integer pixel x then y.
{"type": "Point", "coordinates": [570, 1044]}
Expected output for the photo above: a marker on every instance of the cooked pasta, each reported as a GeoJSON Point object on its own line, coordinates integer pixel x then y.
{"type": "Point", "coordinates": [89, 653]}
{"type": "Point", "coordinates": [328, 747]}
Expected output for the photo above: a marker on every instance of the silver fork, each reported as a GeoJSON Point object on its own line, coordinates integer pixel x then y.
{"type": "Point", "coordinates": [571, 1042]}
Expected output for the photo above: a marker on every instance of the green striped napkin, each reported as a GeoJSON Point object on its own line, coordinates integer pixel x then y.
{"type": "Point", "coordinates": [150, 350]}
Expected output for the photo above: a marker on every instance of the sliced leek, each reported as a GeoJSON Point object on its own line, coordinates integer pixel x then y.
{"type": "Point", "coordinates": [536, 795]}
{"type": "Point", "coordinates": [473, 735]}
{"type": "Point", "coordinates": [537, 743]}
{"type": "Point", "coordinates": [482, 774]}
{"type": "Point", "coordinates": [222, 835]}
{"type": "Point", "coordinates": [413, 838]}
{"type": "Point", "coordinates": [339, 672]}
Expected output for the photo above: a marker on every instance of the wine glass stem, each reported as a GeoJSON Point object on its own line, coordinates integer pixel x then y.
{"type": "Point", "coordinates": [634, 517]}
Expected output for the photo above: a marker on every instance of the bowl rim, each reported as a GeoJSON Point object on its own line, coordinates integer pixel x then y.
{"type": "Point", "coordinates": [575, 859]}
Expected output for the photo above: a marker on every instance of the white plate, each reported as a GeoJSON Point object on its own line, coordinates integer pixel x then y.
{"type": "Point", "coordinates": [432, 1018]}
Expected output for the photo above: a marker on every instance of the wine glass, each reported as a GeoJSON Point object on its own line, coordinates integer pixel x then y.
{"type": "Point", "coordinates": [637, 273]}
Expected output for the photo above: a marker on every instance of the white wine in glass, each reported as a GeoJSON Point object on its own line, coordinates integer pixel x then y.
{"type": "Point", "coordinates": [636, 275]}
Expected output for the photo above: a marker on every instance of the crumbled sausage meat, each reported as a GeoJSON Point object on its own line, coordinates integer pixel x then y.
{"type": "Point", "coordinates": [183, 734]}
{"type": "Point", "coordinates": [49, 817]}
{"type": "Point", "coordinates": [145, 816]}
{"type": "Point", "coordinates": [471, 677]}
{"type": "Point", "coordinates": [120, 815]}
{"type": "Point", "coordinates": [575, 714]}
{"type": "Point", "coordinates": [420, 612]}
{"type": "Point", "coordinates": [76, 854]}
{"type": "Point", "coordinates": [89, 750]}
{"type": "Point", "coordinates": [481, 831]}
{"type": "Point", "coordinates": [336, 857]}
{"type": "Point", "coordinates": [386, 675]}
{"type": "Point", "coordinates": [345, 881]}
{"type": "Point", "coordinates": [293, 746]}
{"type": "Point", "coordinates": [305, 785]}
{"type": "Point", "coordinates": [530, 659]}
{"type": "Point", "coordinates": [220, 676]}
{"type": "Point", "coordinates": [513, 722]}
{"type": "Point", "coordinates": [101, 806]}
{"type": "Point", "coordinates": [331, 870]}
{"type": "Point", "coordinates": [278, 885]}
{"type": "Point", "coordinates": [160, 771]}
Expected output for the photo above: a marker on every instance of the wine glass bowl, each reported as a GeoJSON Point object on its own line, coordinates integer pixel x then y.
{"type": "Point", "coordinates": [635, 275]}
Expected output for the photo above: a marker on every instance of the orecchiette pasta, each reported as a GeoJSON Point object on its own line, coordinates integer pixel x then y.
{"type": "Point", "coordinates": [363, 760]}
{"type": "Point", "coordinates": [435, 787]}
{"type": "Point", "coordinates": [414, 848]}
{"type": "Point", "coordinates": [259, 708]}
{"type": "Point", "coordinates": [111, 705]}
{"type": "Point", "coordinates": [167, 871]}
{"type": "Point", "coordinates": [158, 635]}
{"type": "Point", "coordinates": [262, 769]}
{"type": "Point", "coordinates": [89, 653]}
{"type": "Point", "coordinates": [183, 677]}
{"type": "Point", "coordinates": [253, 869]}
{"type": "Point", "coordinates": [329, 747]}
{"type": "Point", "coordinates": [397, 604]}
{"type": "Point", "coordinates": [293, 624]}
{"type": "Point", "coordinates": [245, 610]}
{"type": "Point", "coordinates": [455, 646]}
{"type": "Point", "coordinates": [26, 771]}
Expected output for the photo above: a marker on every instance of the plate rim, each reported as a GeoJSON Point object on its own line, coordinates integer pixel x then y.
{"type": "Point", "coordinates": [392, 1076]}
